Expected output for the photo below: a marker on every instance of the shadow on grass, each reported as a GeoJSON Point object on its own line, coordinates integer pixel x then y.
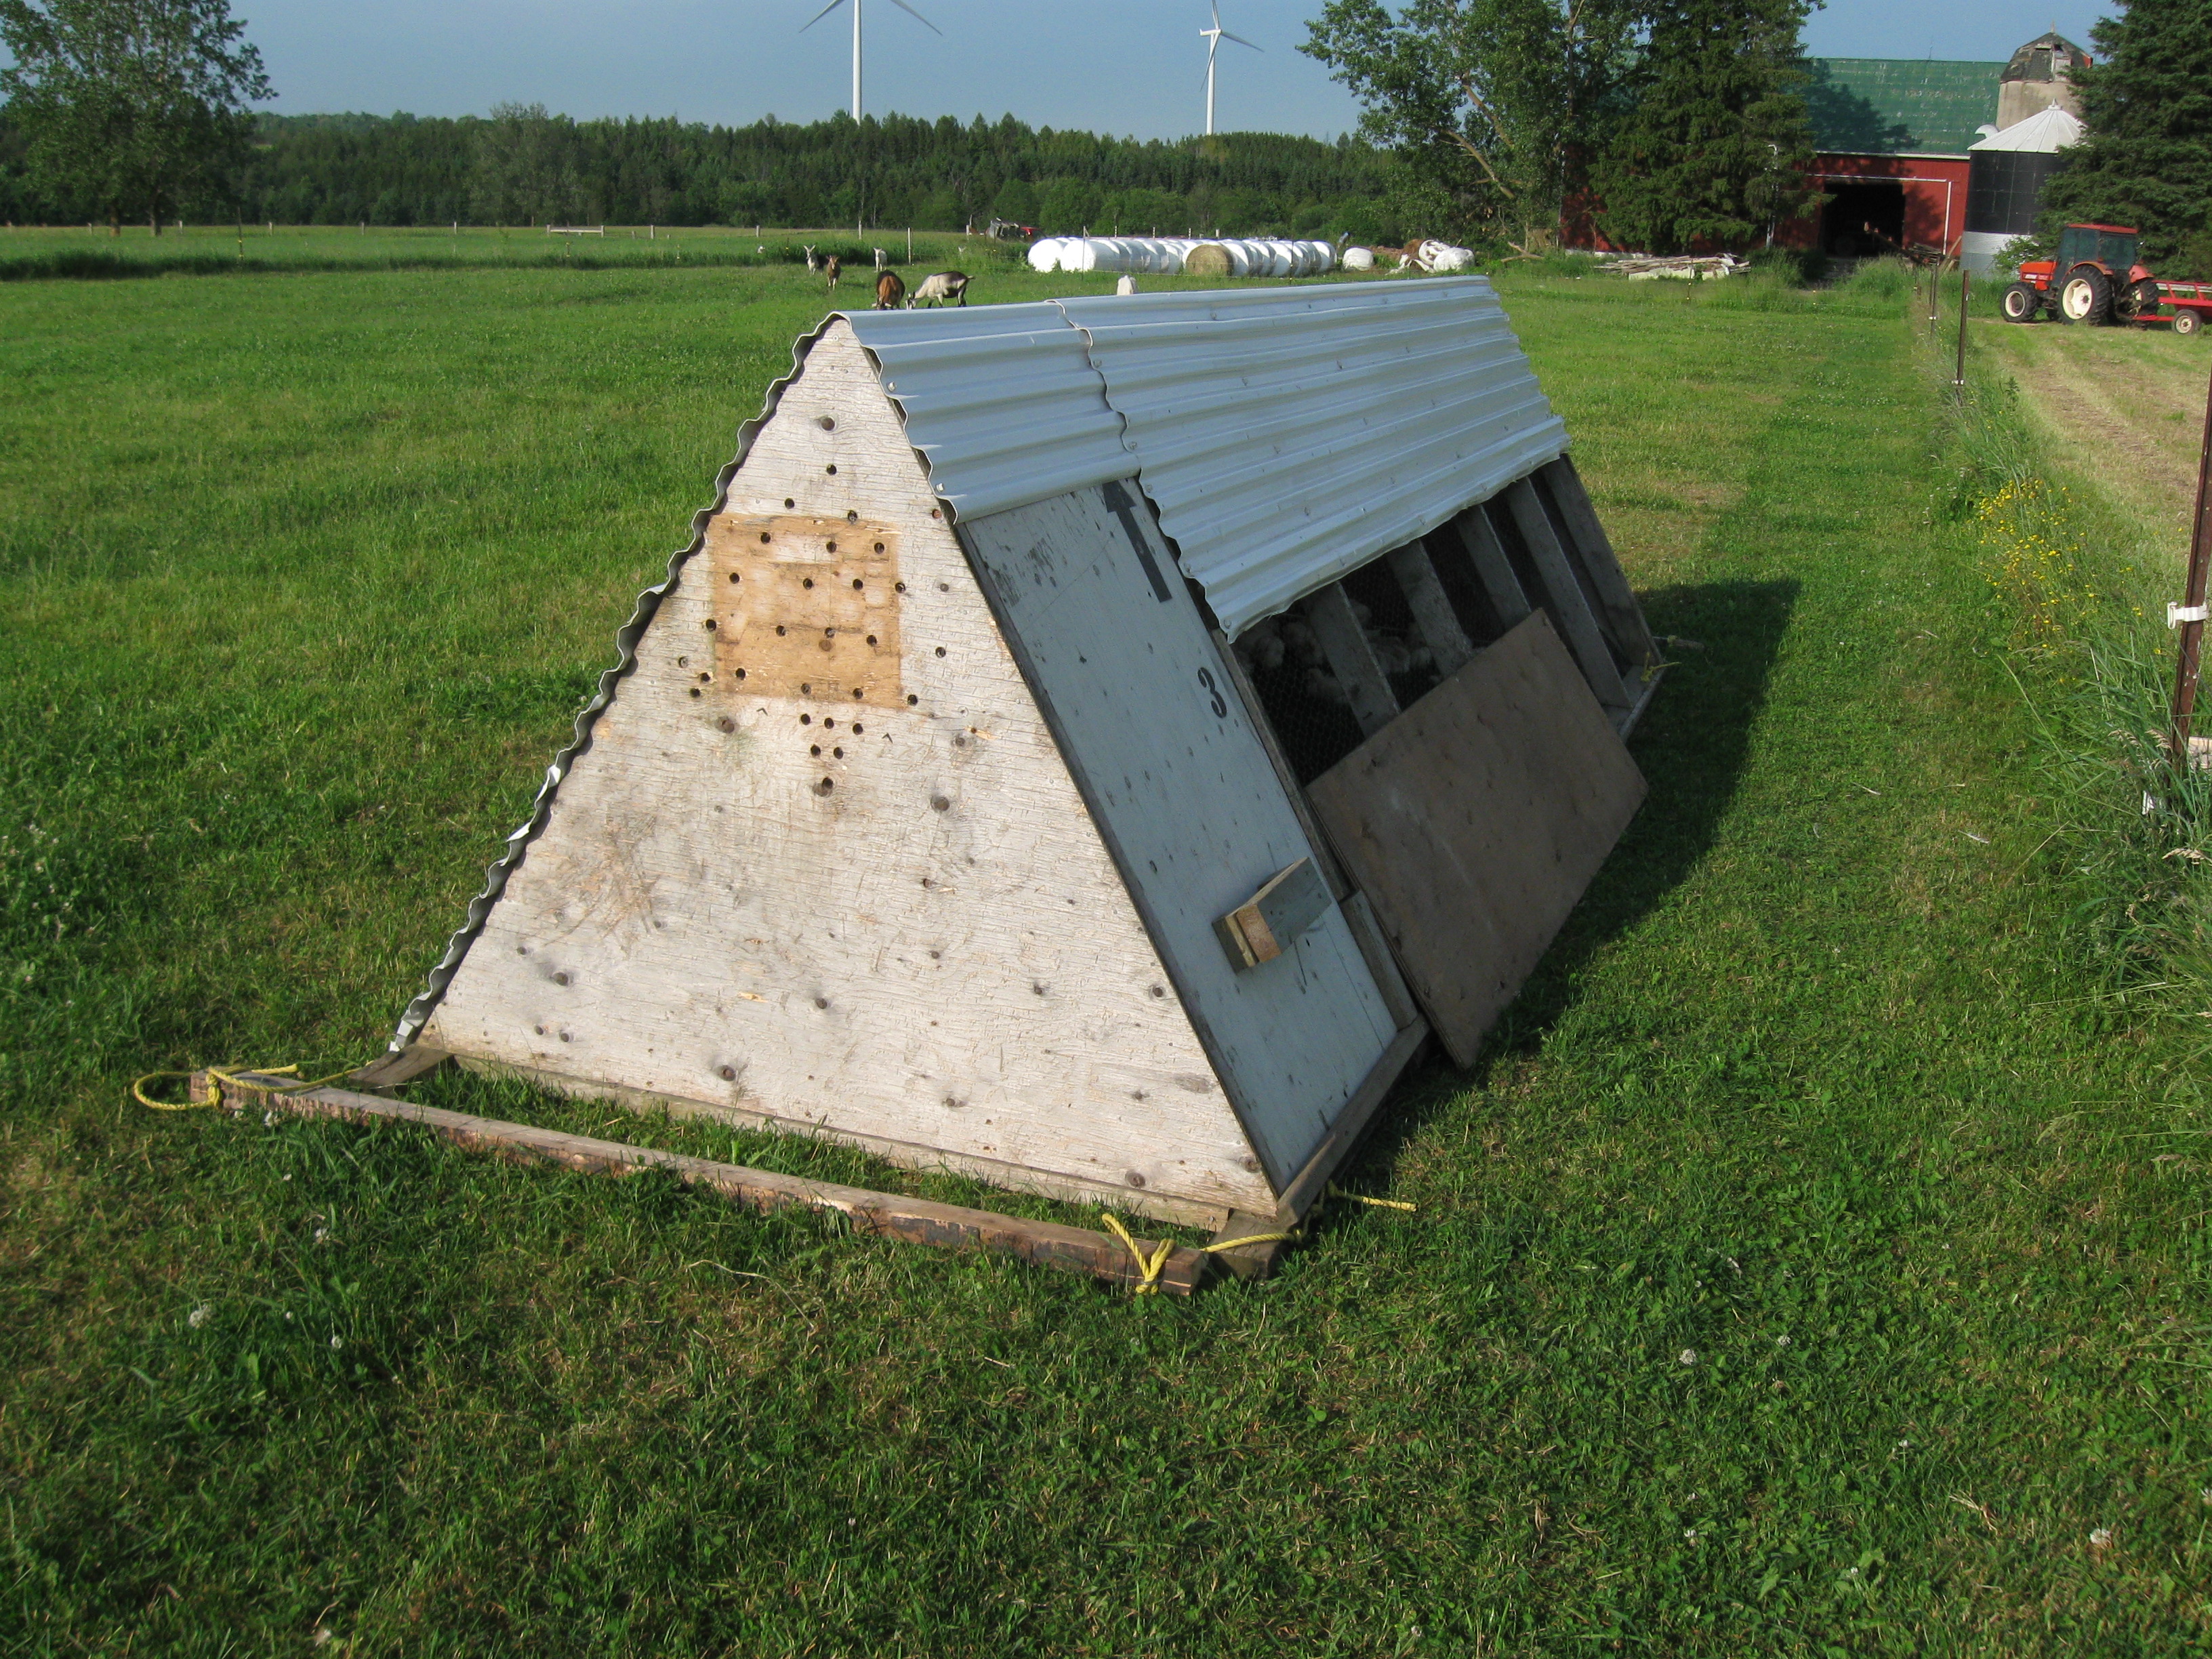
{"type": "Point", "coordinates": [1692, 746]}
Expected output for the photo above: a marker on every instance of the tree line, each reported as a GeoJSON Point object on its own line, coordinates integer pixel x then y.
{"type": "Point", "coordinates": [523, 165]}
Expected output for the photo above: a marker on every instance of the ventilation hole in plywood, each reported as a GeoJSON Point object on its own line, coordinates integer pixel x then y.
{"type": "Point", "coordinates": [832, 546]}
{"type": "Point", "coordinates": [937, 803]}
{"type": "Point", "coordinates": [788, 501]}
{"type": "Point", "coordinates": [814, 749]}
{"type": "Point", "coordinates": [727, 1073]}
{"type": "Point", "coordinates": [851, 516]}
{"type": "Point", "coordinates": [764, 533]}
{"type": "Point", "coordinates": [824, 786]}
{"type": "Point", "coordinates": [858, 728]}
{"type": "Point", "coordinates": [807, 582]}
{"type": "Point", "coordinates": [831, 468]}
{"type": "Point", "coordinates": [940, 649]}
{"type": "Point", "coordinates": [837, 754]}
{"type": "Point", "coordinates": [1159, 990]}
{"type": "Point", "coordinates": [821, 1002]}
{"type": "Point", "coordinates": [899, 587]}
{"type": "Point", "coordinates": [1133, 1179]}
{"type": "Point", "coordinates": [806, 719]}
{"type": "Point", "coordinates": [706, 679]}
{"type": "Point", "coordinates": [828, 423]}
{"type": "Point", "coordinates": [695, 690]}
{"type": "Point", "coordinates": [858, 694]}
{"type": "Point", "coordinates": [857, 583]}
{"type": "Point", "coordinates": [741, 673]}
{"type": "Point", "coordinates": [734, 578]}
{"type": "Point", "coordinates": [872, 639]}
{"type": "Point", "coordinates": [911, 699]}
{"type": "Point", "coordinates": [779, 627]}
{"type": "Point", "coordinates": [709, 625]}
{"type": "Point", "coordinates": [727, 724]}
{"type": "Point", "coordinates": [805, 690]}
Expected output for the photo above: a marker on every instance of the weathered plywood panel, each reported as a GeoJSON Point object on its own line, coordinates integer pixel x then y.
{"type": "Point", "coordinates": [1190, 804]}
{"type": "Point", "coordinates": [888, 918]}
{"type": "Point", "coordinates": [1474, 821]}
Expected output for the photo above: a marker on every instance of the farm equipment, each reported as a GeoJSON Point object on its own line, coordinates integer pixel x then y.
{"type": "Point", "coordinates": [2098, 277]}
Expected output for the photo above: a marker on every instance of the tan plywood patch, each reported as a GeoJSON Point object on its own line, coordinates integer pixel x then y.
{"type": "Point", "coordinates": [806, 607]}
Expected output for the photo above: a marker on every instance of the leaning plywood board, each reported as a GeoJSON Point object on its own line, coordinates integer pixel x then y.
{"type": "Point", "coordinates": [1473, 822]}
{"type": "Point", "coordinates": [1179, 782]}
{"type": "Point", "coordinates": [824, 866]}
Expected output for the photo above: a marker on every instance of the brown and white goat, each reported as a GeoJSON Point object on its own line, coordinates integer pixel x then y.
{"type": "Point", "coordinates": [890, 289]}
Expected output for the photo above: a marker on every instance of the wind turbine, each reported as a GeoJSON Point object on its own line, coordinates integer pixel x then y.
{"type": "Point", "coordinates": [855, 4]}
{"type": "Point", "coordinates": [1213, 37]}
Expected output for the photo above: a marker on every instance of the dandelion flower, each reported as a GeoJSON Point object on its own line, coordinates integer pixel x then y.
{"type": "Point", "coordinates": [199, 1316]}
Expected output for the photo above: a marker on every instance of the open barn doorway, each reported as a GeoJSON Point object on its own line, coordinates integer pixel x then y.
{"type": "Point", "coordinates": [1863, 219]}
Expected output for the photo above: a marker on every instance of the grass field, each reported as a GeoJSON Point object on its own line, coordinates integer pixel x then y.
{"type": "Point", "coordinates": [1815, 1263]}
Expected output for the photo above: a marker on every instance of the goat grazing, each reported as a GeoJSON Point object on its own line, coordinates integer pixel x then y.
{"type": "Point", "coordinates": [890, 289]}
{"type": "Point", "coordinates": [940, 287]}
{"type": "Point", "coordinates": [832, 265]}
{"type": "Point", "coordinates": [812, 264]}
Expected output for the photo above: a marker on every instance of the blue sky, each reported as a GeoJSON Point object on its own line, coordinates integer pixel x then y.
{"type": "Point", "coordinates": [1121, 66]}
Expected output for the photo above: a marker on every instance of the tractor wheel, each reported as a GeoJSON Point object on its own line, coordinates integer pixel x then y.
{"type": "Point", "coordinates": [2086, 297]}
{"type": "Point", "coordinates": [2187, 319]}
{"type": "Point", "coordinates": [2143, 300]}
{"type": "Point", "coordinates": [2021, 302]}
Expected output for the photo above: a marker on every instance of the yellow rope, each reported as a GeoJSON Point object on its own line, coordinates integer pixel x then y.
{"type": "Point", "coordinates": [1149, 1267]}
{"type": "Point", "coordinates": [236, 1075]}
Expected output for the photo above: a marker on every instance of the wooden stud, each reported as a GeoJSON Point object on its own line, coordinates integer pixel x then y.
{"type": "Point", "coordinates": [1431, 607]}
{"type": "Point", "coordinates": [889, 1214]}
{"type": "Point", "coordinates": [1350, 659]}
{"type": "Point", "coordinates": [1563, 599]}
{"type": "Point", "coordinates": [1492, 569]}
{"type": "Point", "coordinates": [1617, 605]}
{"type": "Point", "coordinates": [1233, 666]}
{"type": "Point", "coordinates": [1249, 1262]}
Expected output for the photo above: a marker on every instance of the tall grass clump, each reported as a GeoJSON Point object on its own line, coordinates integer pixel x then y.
{"type": "Point", "coordinates": [2071, 592]}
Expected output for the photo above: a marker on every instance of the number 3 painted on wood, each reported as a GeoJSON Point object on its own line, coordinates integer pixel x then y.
{"type": "Point", "coordinates": [1205, 679]}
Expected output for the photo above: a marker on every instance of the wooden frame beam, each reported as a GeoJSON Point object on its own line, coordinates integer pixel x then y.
{"type": "Point", "coordinates": [1563, 599]}
{"type": "Point", "coordinates": [1619, 610]}
{"type": "Point", "coordinates": [1433, 615]}
{"type": "Point", "coordinates": [1493, 571]}
{"type": "Point", "coordinates": [890, 1215]}
{"type": "Point", "coordinates": [1350, 659]}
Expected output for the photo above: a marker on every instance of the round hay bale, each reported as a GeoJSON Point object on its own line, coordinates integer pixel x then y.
{"type": "Point", "coordinates": [1206, 259]}
{"type": "Point", "coordinates": [1358, 258]}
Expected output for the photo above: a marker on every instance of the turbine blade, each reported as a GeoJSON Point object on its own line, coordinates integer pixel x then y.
{"type": "Point", "coordinates": [1241, 40]}
{"type": "Point", "coordinates": [819, 16]}
{"type": "Point", "coordinates": [911, 12]}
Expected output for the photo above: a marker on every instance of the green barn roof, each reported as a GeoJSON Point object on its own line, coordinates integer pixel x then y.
{"type": "Point", "coordinates": [1893, 105]}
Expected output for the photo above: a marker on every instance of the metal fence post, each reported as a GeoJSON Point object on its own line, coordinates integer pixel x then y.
{"type": "Point", "coordinates": [1959, 377]}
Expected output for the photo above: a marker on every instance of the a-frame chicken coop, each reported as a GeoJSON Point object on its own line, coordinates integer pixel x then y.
{"type": "Point", "coordinates": [1087, 745]}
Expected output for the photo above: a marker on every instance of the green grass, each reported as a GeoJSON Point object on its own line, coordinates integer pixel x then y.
{"type": "Point", "coordinates": [1816, 1259]}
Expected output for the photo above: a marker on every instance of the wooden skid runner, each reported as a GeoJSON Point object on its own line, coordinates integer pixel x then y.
{"type": "Point", "coordinates": [915, 1220]}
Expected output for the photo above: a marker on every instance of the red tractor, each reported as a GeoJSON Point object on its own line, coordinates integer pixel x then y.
{"type": "Point", "coordinates": [2097, 278]}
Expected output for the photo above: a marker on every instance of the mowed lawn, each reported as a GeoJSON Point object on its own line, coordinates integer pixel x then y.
{"type": "Point", "coordinates": [1816, 1263]}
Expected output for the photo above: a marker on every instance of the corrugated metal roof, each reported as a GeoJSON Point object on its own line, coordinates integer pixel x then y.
{"type": "Point", "coordinates": [1002, 402]}
{"type": "Point", "coordinates": [1900, 106]}
{"type": "Point", "coordinates": [1288, 436]}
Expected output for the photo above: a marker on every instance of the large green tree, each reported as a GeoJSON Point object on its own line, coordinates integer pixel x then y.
{"type": "Point", "coordinates": [1490, 102]}
{"type": "Point", "coordinates": [2146, 160]}
{"type": "Point", "coordinates": [1711, 152]}
{"type": "Point", "coordinates": [129, 105]}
